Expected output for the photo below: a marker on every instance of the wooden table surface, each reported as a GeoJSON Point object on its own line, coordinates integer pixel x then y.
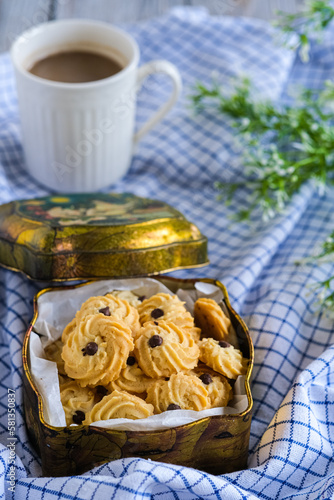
{"type": "Point", "coordinates": [18, 15]}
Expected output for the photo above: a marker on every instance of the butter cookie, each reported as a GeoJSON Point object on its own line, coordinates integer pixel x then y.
{"type": "Point", "coordinates": [132, 378]}
{"type": "Point", "coordinates": [53, 353]}
{"type": "Point", "coordinates": [110, 306]}
{"type": "Point", "coordinates": [223, 358]}
{"type": "Point", "coordinates": [179, 392]}
{"type": "Point", "coordinates": [76, 401]}
{"type": "Point", "coordinates": [162, 348]}
{"type": "Point", "coordinates": [219, 390]}
{"type": "Point", "coordinates": [119, 404]}
{"type": "Point", "coordinates": [97, 350]}
{"type": "Point", "coordinates": [213, 322]}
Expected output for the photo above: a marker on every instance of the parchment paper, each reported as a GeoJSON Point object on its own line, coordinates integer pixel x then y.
{"type": "Point", "coordinates": [57, 308]}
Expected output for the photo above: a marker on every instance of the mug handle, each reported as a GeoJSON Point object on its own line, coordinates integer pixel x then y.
{"type": "Point", "coordinates": [159, 66]}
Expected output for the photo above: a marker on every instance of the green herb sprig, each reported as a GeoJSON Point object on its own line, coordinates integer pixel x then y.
{"type": "Point", "coordinates": [286, 146]}
{"type": "Point", "coordinates": [297, 29]}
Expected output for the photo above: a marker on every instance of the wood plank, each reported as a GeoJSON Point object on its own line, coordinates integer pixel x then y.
{"type": "Point", "coordinates": [115, 11]}
{"type": "Point", "coordinates": [18, 16]}
{"type": "Point", "coordinates": [263, 9]}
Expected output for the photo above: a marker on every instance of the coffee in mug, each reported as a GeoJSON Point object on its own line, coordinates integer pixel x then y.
{"type": "Point", "coordinates": [75, 66]}
{"type": "Point", "coordinates": [78, 136]}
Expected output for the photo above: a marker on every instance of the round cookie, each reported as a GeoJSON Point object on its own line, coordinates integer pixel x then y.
{"type": "Point", "coordinates": [127, 295]}
{"type": "Point", "coordinates": [53, 353]}
{"type": "Point", "coordinates": [76, 401]}
{"type": "Point", "coordinates": [97, 350]}
{"type": "Point", "coordinates": [119, 404]}
{"type": "Point", "coordinates": [110, 306]}
{"type": "Point", "coordinates": [210, 318]}
{"type": "Point", "coordinates": [179, 392]}
{"type": "Point", "coordinates": [163, 348]}
{"type": "Point", "coordinates": [131, 379]}
{"type": "Point", "coordinates": [223, 358]}
{"type": "Point", "coordinates": [219, 390]}
{"type": "Point", "coordinates": [68, 330]}
{"type": "Point", "coordinates": [187, 324]}
{"type": "Point", "coordinates": [163, 306]}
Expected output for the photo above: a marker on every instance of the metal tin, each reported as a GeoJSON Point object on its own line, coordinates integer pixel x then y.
{"type": "Point", "coordinates": [217, 444]}
{"type": "Point", "coordinates": [95, 236]}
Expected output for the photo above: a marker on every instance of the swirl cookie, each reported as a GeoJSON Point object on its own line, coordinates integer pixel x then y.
{"type": "Point", "coordinates": [76, 401]}
{"type": "Point", "coordinates": [112, 307]}
{"type": "Point", "coordinates": [163, 348]}
{"type": "Point", "coordinates": [131, 379]}
{"type": "Point", "coordinates": [119, 404]}
{"type": "Point", "coordinates": [68, 330]}
{"type": "Point", "coordinates": [223, 358]}
{"type": "Point", "coordinates": [163, 306]}
{"type": "Point", "coordinates": [97, 350]}
{"type": "Point", "coordinates": [53, 353]}
{"type": "Point", "coordinates": [219, 390]}
{"type": "Point", "coordinates": [187, 324]}
{"type": "Point", "coordinates": [211, 319]}
{"type": "Point", "coordinates": [179, 392]}
{"type": "Point", "coordinates": [126, 295]}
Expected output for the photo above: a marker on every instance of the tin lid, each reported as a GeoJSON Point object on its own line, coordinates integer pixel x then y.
{"type": "Point", "coordinates": [85, 236]}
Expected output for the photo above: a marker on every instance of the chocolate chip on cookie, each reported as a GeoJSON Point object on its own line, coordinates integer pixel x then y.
{"type": "Point", "coordinates": [90, 349]}
{"type": "Point", "coordinates": [155, 341]}
{"type": "Point", "coordinates": [101, 391]}
{"type": "Point", "coordinates": [157, 313]}
{"type": "Point", "coordinates": [206, 378]}
{"type": "Point", "coordinates": [131, 361]}
{"type": "Point", "coordinates": [105, 311]}
{"type": "Point", "coordinates": [172, 406]}
{"type": "Point", "coordinates": [223, 343]}
{"type": "Point", "coordinates": [78, 417]}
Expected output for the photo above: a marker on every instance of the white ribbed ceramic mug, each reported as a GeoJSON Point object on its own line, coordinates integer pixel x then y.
{"type": "Point", "coordinates": [79, 137]}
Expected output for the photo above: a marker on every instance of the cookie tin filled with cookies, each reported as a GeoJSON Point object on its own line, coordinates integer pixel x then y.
{"type": "Point", "coordinates": [156, 368]}
{"type": "Point", "coordinates": [129, 363]}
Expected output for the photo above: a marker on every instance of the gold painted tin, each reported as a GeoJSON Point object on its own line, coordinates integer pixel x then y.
{"type": "Point", "coordinates": [95, 236]}
{"type": "Point", "coordinates": [216, 444]}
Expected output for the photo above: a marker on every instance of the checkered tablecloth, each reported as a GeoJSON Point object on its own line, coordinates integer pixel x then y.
{"type": "Point", "coordinates": [292, 433]}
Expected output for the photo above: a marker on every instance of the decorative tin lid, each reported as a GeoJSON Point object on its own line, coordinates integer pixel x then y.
{"type": "Point", "coordinates": [85, 236]}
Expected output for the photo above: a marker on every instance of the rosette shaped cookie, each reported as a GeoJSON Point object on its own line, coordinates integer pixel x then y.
{"type": "Point", "coordinates": [187, 324]}
{"type": "Point", "coordinates": [97, 350]}
{"type": "Point", "coordinates": [126, 295]}
{"type": "Point", "coordinates": [76, 401]}
{"type": "Point", "coordinates": [131, 379]}
{"type": "Point", "coordinates": [223, 358]}
{"type": "Point", "coordinates": [219, 390]}
{"type": "Point", "coordinates": [180, 392]}
{"type": "Point", "coordinates": [213, 322]}
{"type": "Point", "coordinates": [163, 348]}
{"type": "Point", "coordinates": [53, 353]}
{"type": "Point", "coordinates": [68, 330]}
{"type": "Point", "coordinates": [110, 306]}
{"type": "Point", "coordinates": [119, 404]}
{"type": "Point", "coordinates": [163, 306]}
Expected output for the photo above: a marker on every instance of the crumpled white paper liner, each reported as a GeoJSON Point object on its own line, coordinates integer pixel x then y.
{"type": "Point", "coordinates": [57, 309]}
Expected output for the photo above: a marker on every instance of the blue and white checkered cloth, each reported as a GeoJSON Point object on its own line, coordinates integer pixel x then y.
{"type": "Point", "coordinates": [292, 433]}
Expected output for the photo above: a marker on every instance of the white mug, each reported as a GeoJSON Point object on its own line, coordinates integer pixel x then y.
{"type": "Point", "coordinates": [79, 137]}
